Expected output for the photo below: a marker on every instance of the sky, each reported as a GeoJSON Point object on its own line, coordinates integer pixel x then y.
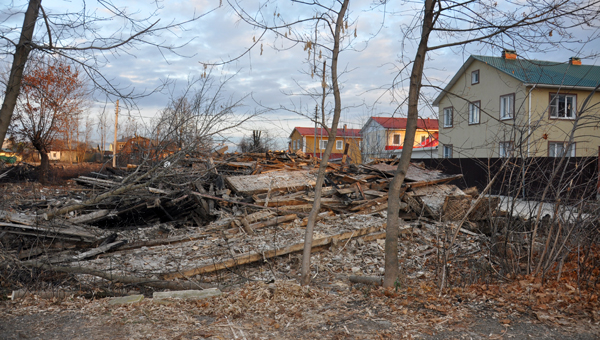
{"type": "Point", "coordinates": [274, 76]}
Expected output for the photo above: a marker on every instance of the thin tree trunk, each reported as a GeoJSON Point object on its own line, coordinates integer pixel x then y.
{"type": "Point", "coordinates": [305, 279]}
{"type": "Point", "coordinates": [13, 88]}
{"type": "Point", "coordinates": [393, 219]}
{"type": "Point", "coordinates": [44, 166]}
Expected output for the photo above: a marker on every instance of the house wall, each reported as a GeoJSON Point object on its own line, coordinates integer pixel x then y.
{"type": "Point", "coordinates": [374, 141]}
{"type": "Point", "coordinates": [545, 130]}
{"type": "Point", "coordinates": [390, 136]}
{"type": "Point", "coordinates": [307, 144]}
{"type": "Point", "coordinates": [482, 140]}
{"type": "Point", "coordinates": [376, 138]}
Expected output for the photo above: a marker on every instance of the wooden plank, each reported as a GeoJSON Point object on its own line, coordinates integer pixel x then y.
{"type": "Point", "coordinates": [82, 256]}
{"type": "Point", "coordinates": [432, 182]}
{"type": "Point", "coordinates": [229, 201]}
{"type": "Point", "coordinates": [282, 180]}
{"type": "Point", "coordinates": [91, 217]}
{"type": "Point", "coordinates": [60, 231]}
{"type": "Point", "coordinates": [255, 257]}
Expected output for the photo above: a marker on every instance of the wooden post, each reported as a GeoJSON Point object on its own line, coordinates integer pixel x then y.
{"type": "Point", "coordinates": [116, 130]}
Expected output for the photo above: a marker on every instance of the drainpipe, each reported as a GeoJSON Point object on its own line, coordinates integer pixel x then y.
{"type": "Point", "coordinates": [529, 122]}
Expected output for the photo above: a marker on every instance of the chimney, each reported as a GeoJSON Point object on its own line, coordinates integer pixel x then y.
{"type": "Point", "coordinates": [574, 61]}
{"type": "Point", "coordinates": [509, 54]}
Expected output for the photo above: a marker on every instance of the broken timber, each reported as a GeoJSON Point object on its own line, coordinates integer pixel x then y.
{"type": "Point", "coordinates": [277, 181]}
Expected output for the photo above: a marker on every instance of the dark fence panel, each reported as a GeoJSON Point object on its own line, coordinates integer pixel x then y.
{"type": "Point", "coordinates": [576, 178]}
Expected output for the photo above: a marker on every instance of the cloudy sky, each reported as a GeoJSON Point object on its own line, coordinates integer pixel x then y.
{"type": "Point", "coordinates": [275, 77]}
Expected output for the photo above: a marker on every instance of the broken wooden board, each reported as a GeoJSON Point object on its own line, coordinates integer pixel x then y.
{"type": "Point", "coordinates": [455, 207]}
{"type": "Point", "coordinates": [484, 209]}
{"type": "Point", "coordinates": [413, 174]}
{"type": "Point", "coordinates": [64, 233]}
{"type": "Point", "coordinates": [277, 181]}
{"type": "Point", "coordinates": [434, 197]}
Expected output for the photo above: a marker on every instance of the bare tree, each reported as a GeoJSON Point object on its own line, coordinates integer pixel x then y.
{"type": "Point", "coordinates": [104, 123]}
{"type": "Point", "coordinates": [202, 112]}
{"type": "Point", "coordinates": [256, 143]}
{"type": "Point", "coordinates": [83, 36]}
{"type": "Point", "coordinates": [529, 25]}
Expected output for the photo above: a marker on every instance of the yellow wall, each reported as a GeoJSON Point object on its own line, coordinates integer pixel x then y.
{"type": "Point", "coordinates": [419, 133]}
{"type": "Point", "coordinates": [353, 150]}
{"type": "Point", "coordinates": [544, 129]}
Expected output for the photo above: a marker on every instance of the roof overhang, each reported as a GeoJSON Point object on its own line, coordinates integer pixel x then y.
{"type": "Point", "coordinates": [453, 81]}
{"type": "Point", "coordinates": [548, 86]}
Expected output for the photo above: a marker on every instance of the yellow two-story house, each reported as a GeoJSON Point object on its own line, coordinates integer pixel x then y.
{"type": "Point", "coordinates": [512, 107]}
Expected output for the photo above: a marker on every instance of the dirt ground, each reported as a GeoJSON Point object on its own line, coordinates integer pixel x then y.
{"type": "Point", "coordinates": [284, 310]}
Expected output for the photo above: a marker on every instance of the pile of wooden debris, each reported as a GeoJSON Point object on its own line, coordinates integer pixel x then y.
{"type": "Point", "coordinates": [197, 217]}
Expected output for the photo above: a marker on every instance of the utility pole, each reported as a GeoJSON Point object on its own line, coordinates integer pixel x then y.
{"type": "Point", "coordinates": [116, 130]}
{"type": "Point", "coordinates": [315, 139]}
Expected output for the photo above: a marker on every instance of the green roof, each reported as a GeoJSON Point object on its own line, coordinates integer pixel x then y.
{"type": "Point", "coordinates": [545, 72]}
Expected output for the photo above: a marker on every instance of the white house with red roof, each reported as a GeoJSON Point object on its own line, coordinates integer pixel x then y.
{"type": "Point", "coordinates": [313, 141]}
{"type": "Point", "coordinates": [384, 137]}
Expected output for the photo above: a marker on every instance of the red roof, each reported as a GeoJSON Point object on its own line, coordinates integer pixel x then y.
{"type": "Point", "coordinates": [400, 123]}
{"type": "Point", "coordinates": [310, 131]}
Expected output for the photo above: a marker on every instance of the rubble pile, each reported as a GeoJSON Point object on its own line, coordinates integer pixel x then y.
{"type": "Point", "coordinates": [206, 218]}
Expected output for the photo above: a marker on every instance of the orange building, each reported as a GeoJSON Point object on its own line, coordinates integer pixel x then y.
{"type": "Point", "coordinates": [303, 138]}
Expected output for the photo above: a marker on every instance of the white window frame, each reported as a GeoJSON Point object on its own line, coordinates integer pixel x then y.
{"type": "Point", "coordinates": [448, 151]}
{"type": "Point", "coordinates": [339, 144]}
{"type": "Point", "coordinates": [474, 112]}
{"type": "Point", "coordinates": [448, 116]}
{"type": "Point", "coordinates": [555, 151]}
{"type": "Point", "coordinates": [399, 139]}
{"type": "Point", "coordinates": [475, 77]}
{"type": "Point", "coordinates": [505, 149]}
{"type": "Point", "coordinates": [507, 106]}
{"type": "Point", "coordinates": [323, 144]}
{"type": "Point", "coordinates": [423, 139]}
{"type": "Point", "coordinates": [555, 106]}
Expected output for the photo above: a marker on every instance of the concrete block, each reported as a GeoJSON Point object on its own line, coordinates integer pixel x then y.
{"type": "Point", "coordinates": [187, 294]}
{"type": "Point", "coordinates": [126, 299]}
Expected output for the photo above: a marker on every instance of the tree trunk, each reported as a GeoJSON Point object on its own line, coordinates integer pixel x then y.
{"type": "Point", "coordinates": [13, 87]}
{"type": "Point", "coordinates": [393, 219]}
{"type": "Point", "coordinates": [308, 236]}
{"type": "Point", "coordinates": [44, 166]}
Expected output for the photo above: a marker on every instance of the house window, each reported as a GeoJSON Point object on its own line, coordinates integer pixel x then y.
{"type": "Point", "coordinates": [322, 144]}
{"type": "Point", "coordinates": [474, 112]}
{"type": "Point", "coordinates": [505, 149]}
{"type": "Point", "coordinates": [562, 106]}
{"type": "Point", "coordinates": [507, 106]}
{"type": "Point", "coordinates": [557, 149]}
{"type": "Point", "coordinates": [447, 151]}
{"type": "Point", "coordinates": [339, 144]}
{"type": "Point", "coordinates": [397, 138]}
{"type": "Point", "coordinates": [448, 117]}
{"type": "Point", "coordinates": [423, 139]}
{"type": "Point", "coordinates": [475, 77]}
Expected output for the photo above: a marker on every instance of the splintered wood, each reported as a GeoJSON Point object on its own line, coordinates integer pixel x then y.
{"type": "Point", "coordinates": [275, 181]}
